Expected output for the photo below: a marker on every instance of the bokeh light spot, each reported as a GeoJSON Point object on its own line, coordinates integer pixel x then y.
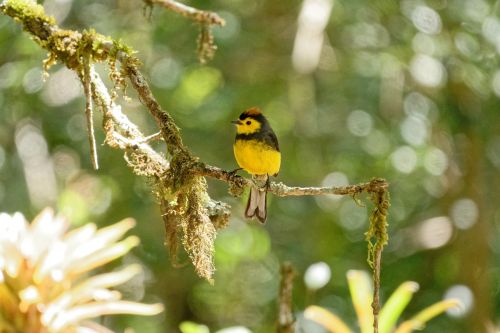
{"type": "Point", "coordinates": [435, 162]}
{"type": "Point", "coordinates": [476, 10]}
{"type": "Point", "coordinates": [426, 20]}
{"type": "Point", "coordinates": [367, 64]}
{"type": "Point", "coordinates": [2, 157]}
{"type": "Point", "coordinates": [491, 29]}
{"type": "Point", "coordinates": [230, 30]}
{"type": "Point", "coordinates": [329, 203]}
{"type": "Point", "coordinates": [359, 123]}
{"type": "Point", "coordinates": [434, 232]}
{"type": "Point", "coordinates": [31, 145]}
{"type": "Point", "coordinates": [75, 127]}
{"type": "Point", "coordinates": [495, 83]}
{"type": "Point", "coordinates": [66, 162]}
{"type": "Point", "coordinates": [308, 43]}
{"type": "Point", "coordinates": [352, 217]}
{"type": "Point", "coordinates": [335, 179]}
{"type": "Point", "coordinates": [467, 44]}
{"type": "Point", "coordinates": [196, 86]}
{"type": "Point", "coordinates": [317, 275]}
{"type": "Point", "coordinates": [59, 9]}
{"type": "Point", "coordinates": [62, 87]}
{"type": "Point", "coordinates": [366, 35]}
{"type": "Point", "coordinates": [234, 329]}
{"type": "Point", "coordinates": [427, 71]}
{"type": "Point", "coordinates": [165, 73]}
{"type": "Point", "coordinates": [376, 143]}
{"type": "Point", "coordinates": [8, 75]}
{"type": "Point", "coordinates": [423, 43]}
{"type": "Point", "coordinates": [37, 165]}
{"type": "Point", "coordinates": [419, 105]}
{"type": "Point", "coordinates": [464, 295]}
{"type": "Point", "coordinates": [464, 213]}
{"type": "Point", "coordinates": [33, 80]}
{"type": "Point", "coordinates": [414, 130]}
{"type": "Point", "coordinates": [436, 186]}
{"type": "Point", "coordinates": [493, 151]}
{"type": "Point", "coordinates": [404, 159]}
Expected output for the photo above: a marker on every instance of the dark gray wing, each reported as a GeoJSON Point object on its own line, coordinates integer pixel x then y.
{"type": "Point", "coordinates": [271, 139]}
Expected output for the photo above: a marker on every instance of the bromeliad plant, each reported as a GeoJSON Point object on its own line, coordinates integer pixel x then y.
{"type": "Point", "coordinates": [45, 275]}
{"type": "Point", "coordinates": [360, 287]}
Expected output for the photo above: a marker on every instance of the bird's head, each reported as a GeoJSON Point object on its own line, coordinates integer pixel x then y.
{"type": "Point", "coordinates": [250, 121]}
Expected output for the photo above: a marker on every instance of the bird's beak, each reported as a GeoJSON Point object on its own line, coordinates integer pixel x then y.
{"type": "Point", "coordinates": [236, 122]}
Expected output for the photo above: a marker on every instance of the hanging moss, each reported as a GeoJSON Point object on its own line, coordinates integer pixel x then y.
{"type": "Point", "coordinates": [377, 236]}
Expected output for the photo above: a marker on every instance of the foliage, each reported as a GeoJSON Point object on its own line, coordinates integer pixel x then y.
{"type": "Point", "coordinates": [361, 296]}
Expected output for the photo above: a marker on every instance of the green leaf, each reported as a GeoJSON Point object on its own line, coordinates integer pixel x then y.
{"type": "Point", "coordinates": [191, 327]}
{"type": "Point", "coordinates": [395, 305]}
{"type": "Point", "coordinates": [360, 286]}
{"type": "Point", "coordinates": [418, 321]}
{"type": "Point", "coordinates": [326, 319]}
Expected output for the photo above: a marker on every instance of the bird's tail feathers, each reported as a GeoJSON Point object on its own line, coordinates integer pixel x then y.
{"type": "Point", "coordinates": [257, 204]}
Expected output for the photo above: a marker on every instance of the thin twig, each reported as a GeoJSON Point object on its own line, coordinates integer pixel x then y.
{"type": "Point", "coordinates": [198, 15]}
{"type": "Point", "coordinates": [124, 134]}
{"type": "Point", "coordinates": [153, 137]}
{"type": "Point", "coordinates": [89, 113]}
{"type": "Point", "coordinates": [286, 320]}
{"type": "Point", "coordinates": [376, 288]}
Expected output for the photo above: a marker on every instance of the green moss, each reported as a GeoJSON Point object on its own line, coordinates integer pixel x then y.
{"type": "Point", "coordinates": [377, 235]}
{"type": "Point", "coordinates": [27, 10]}
{"type": "Point", "coordinates": [68, 46]}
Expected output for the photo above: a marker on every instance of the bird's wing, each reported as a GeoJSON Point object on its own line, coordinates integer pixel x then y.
{"type": "Point", "coordinates": [271, 139]}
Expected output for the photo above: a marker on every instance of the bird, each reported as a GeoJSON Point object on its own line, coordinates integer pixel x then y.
{"type": "Point", "coordinates": [257, 151]}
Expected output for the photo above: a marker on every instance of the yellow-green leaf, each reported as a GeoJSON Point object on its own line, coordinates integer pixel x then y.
{"type": "Point", "coordinates": [395, 305]}
{"type": "Point", "coordinates": [326, 319]}
{"type": "Point", "coordinates": [418, 321]}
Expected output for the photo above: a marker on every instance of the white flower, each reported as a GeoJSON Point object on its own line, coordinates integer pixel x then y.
{"type": "Point", "coordinates": [42, 268]}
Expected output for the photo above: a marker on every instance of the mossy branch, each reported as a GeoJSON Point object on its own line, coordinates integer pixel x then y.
{"type": "Point", "coordinates": [179, 181]}
{"type": "Point", "coordinates": [377, 237]}
{"type": "Point", "coordinates": [206, 19]}
{"type": "Point", "coordinates": [89, 112]}
{"type": "Point", "coordinates": [200, 16]}
{"type": "Point", "coordinates": [286, 320]}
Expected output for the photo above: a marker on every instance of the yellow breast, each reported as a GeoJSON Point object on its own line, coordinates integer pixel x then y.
{"type": "Point", "coordinates": [256, 157]}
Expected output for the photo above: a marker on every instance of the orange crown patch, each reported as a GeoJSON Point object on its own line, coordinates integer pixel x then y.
{"type": "Point", "coordinates": [255, 111]}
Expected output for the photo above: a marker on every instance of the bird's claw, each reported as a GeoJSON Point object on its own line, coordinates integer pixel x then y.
{"type": "Point", "coordinates": [232, 174]}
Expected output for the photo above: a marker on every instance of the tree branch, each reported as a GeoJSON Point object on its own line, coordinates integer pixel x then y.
{"type": "Point", "coordinates": [121, 133]}
{"type": "Point", "coordinates": [89, 113]}
{"type": "Point", "coordinates": [279, 189]}
{"type": "Point", "coordinates": [286, 321]}
{"type": "Point", "coordinates": [197, 15]}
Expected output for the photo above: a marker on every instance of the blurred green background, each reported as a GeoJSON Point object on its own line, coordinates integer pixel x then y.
{"type": "Point", "coordinates": [405, 90]}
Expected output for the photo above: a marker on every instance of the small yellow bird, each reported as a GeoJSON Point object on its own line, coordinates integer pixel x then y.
{"type": "Point", "coordinates": [257, 151]}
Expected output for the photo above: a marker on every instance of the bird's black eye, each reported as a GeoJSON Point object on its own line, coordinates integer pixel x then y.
{"type": "Point", "coordinates": [248, 122]}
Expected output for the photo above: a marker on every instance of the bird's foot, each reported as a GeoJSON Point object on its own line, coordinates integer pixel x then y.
{"type": "Point", "coordinates": [233, 174]}
{"type": "Point", "coordinates": [268, 183]}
